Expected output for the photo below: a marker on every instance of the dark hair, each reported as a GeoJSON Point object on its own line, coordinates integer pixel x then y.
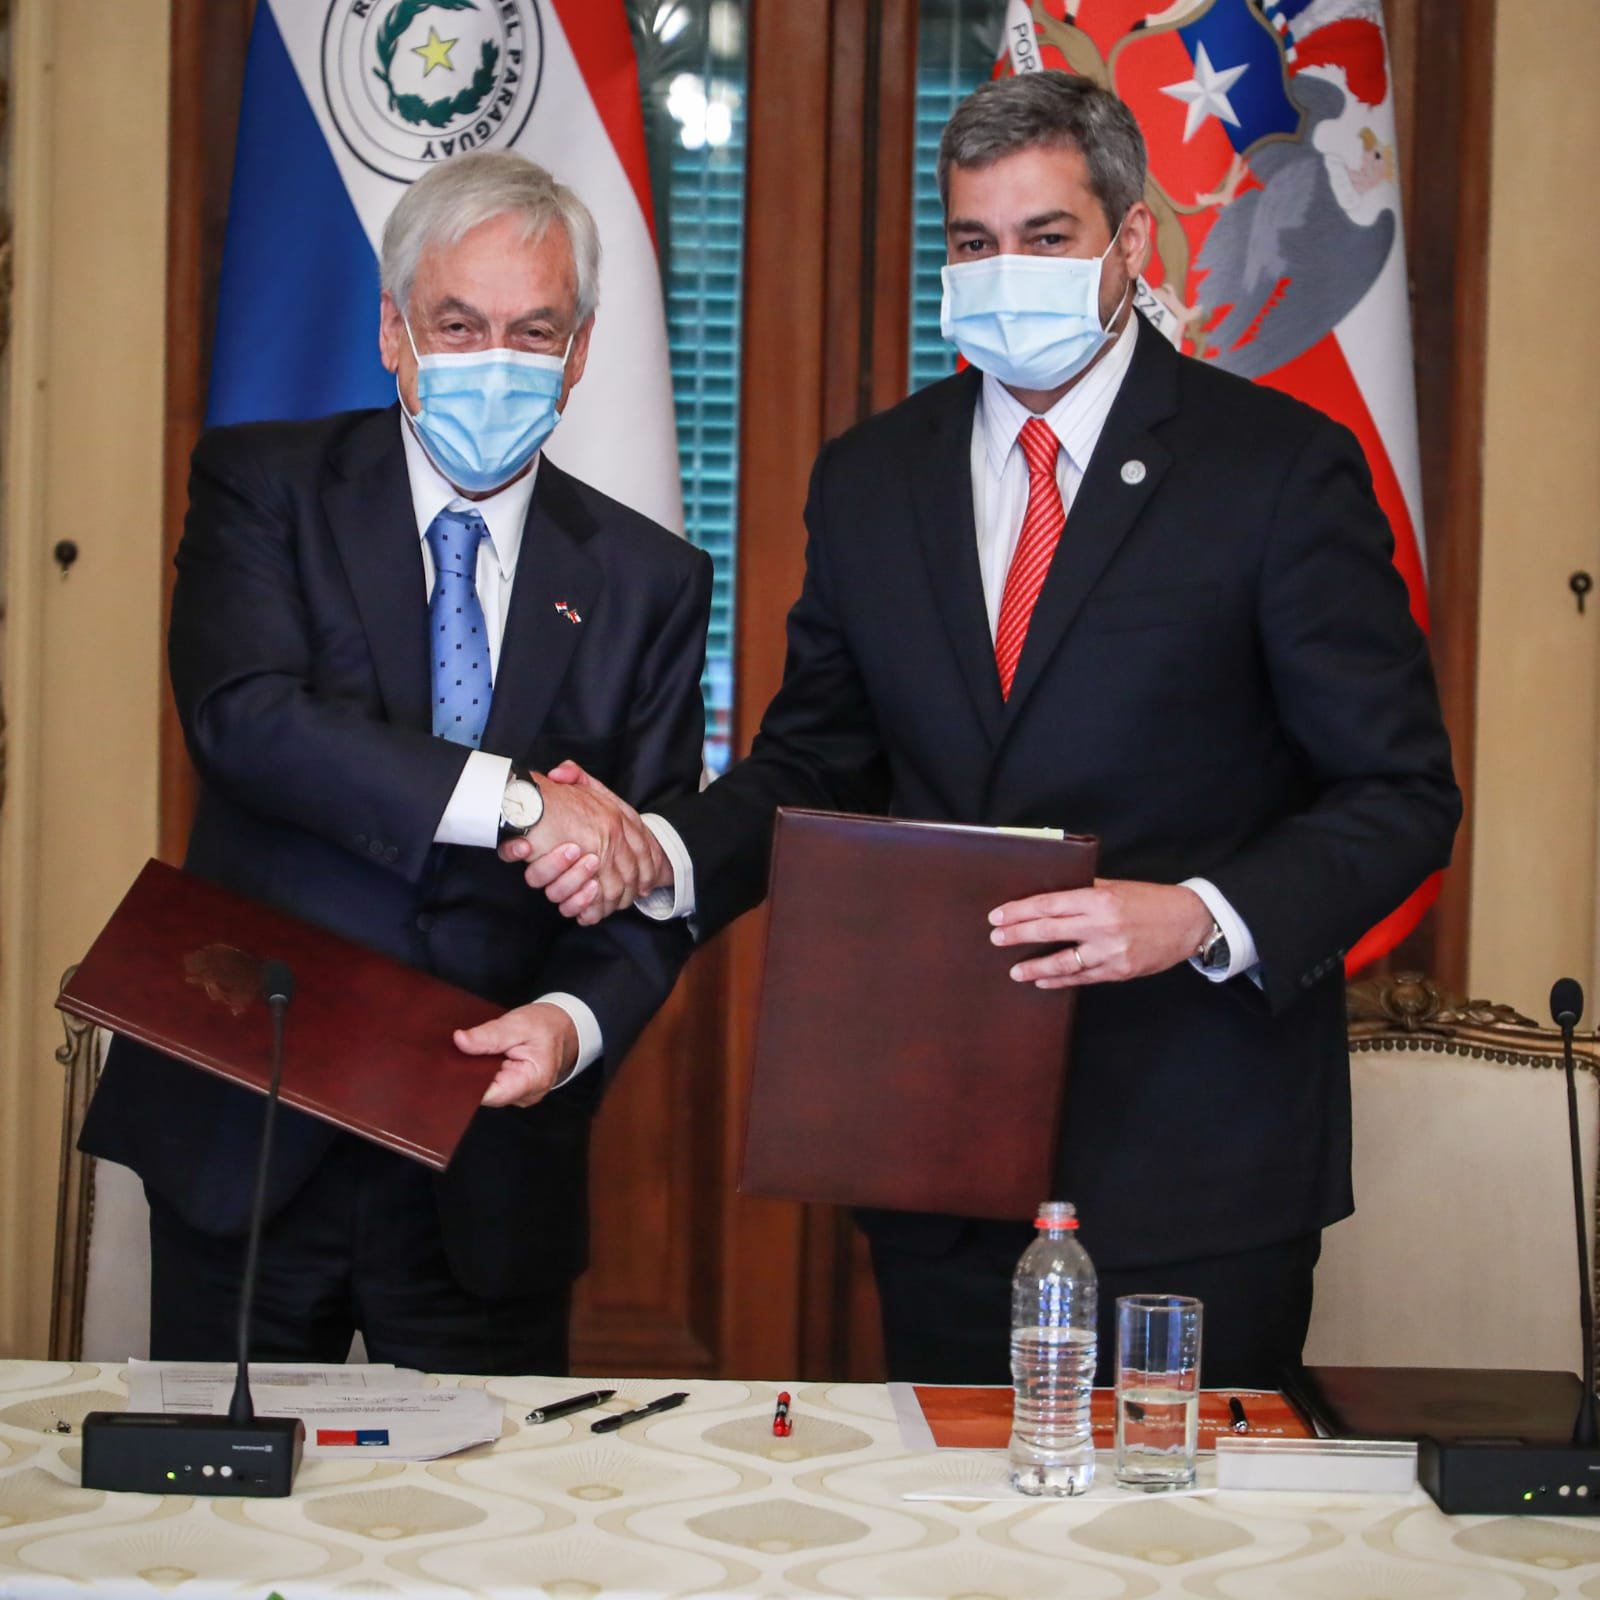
{"type": "Point", "coordinates": [1016, 113]}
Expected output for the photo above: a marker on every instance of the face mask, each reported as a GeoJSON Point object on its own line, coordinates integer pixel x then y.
{"type": "Point", "coordinates": [1030, 321]}
{"type": "Point", "coordinates": [484, 413]}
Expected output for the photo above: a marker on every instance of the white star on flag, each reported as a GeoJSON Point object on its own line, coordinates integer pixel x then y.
{"type": "Point", "coordinates": [1206, 93]}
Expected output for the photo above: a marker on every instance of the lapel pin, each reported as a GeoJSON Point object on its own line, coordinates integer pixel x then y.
{"type": "Point", "coordinates": [569, 612]}
{"type": "Point", "coordinates": [1133, 472]}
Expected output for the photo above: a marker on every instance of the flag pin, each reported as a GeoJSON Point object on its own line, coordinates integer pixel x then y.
{"type": "Point", "coordinates": [569, 612]}
{"type": "Point", "coordinates": [1133, 472]}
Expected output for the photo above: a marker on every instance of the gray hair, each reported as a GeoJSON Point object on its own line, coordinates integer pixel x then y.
{"type": "Point", "coordinates": [446, 203]}
{"type": "Point", "coordinates": [1051, 109]}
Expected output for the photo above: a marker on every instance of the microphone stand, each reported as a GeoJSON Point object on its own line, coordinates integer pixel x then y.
{"type": "Point", "coordinates": [277, 984]}
{"type": "Point", "coordinates": [1583, 1432]}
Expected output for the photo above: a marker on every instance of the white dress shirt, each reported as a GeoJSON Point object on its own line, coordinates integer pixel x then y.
{"type": "Point", "coordinates": [472, 815]}
{"type": "Point", "coordinates": [999, 503]}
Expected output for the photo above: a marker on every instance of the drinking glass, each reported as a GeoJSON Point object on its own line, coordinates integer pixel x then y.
{"type": "Point", "coordinates": [1158, 1390]}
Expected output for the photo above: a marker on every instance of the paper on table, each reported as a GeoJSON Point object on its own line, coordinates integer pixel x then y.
{"type": "Point", "coordinates": [207, 1386]}
{"type": "Point", "coordinates": [384, 1411]}
{"type": "Point", "coordinates": [390, 1424]}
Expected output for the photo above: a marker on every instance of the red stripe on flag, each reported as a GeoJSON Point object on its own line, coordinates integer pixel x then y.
{"type": "Point", "coordinates": [1322, 378]}
{"type": "Point", "coordinates": [597, 30]}
{"type": "Point", "coordinates": [1400, 923]}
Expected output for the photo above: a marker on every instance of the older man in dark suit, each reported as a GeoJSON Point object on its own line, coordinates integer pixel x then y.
{"type": "Point", "coordinates": [1093, 584]}
{"type": "Point", "coordinates": [387, 627]}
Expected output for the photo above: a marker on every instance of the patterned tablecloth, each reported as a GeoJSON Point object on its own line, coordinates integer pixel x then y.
{"type": "Point", "coordinates": [704, 1500]}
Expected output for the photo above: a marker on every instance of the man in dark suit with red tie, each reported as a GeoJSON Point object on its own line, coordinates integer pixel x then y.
{"type": "Point", "coordinates": [387, 627]}
{"type": "Point", "coordinates": [1095, 585]}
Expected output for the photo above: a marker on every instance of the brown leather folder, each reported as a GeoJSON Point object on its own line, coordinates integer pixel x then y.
{"type": "Point", "coordinates": [897, 1064]}
{"type": "Point", "coordinates": [1445, 1403]}
{"type": "Point", "coordinates": [367, 1042]}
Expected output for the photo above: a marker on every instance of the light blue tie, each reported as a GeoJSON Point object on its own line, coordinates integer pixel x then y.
{"type": "Point", "coordinates": [462, 683]}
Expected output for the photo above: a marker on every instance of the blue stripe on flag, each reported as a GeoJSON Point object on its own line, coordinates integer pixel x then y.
{"type": "Point", "coordinates": [297, 316]}
{"type": "Point", "coordinates": [1234, 36]}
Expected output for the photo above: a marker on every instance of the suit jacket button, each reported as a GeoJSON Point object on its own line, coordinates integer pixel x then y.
{"type": "Point", "coordinates": [424, 922]}
{"type": "Point", "coordinates": [392, 853]}
{"type": "Point", "coordinates": [1307, 979]}
{"type": "Point", "coordinates": [375, 848]}
{"type": "Point", "coordinates": [361, 841]}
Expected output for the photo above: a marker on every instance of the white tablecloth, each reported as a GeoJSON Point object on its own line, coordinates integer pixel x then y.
{"type": "Point", "coordinates": [704, 1500]}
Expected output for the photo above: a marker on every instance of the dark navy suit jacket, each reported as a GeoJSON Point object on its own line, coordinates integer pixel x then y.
{"type": "Point", "coordinates": [1221, 678]}
{"type": "Point", "coordinates": [299, 664]}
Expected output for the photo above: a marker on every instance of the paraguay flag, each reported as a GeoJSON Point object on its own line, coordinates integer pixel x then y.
{"type": "Point", "coordinates": [1278, 252]}
{"type": "Point", "coordinates": [345, 102]}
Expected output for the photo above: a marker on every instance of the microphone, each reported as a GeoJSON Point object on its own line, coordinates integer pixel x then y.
{"type": "Point", "coordinates": [1510, 1477]}
{"type": "Point", "coordinates": [1566, 1006]}
{"type": "Point", "coordinates": [239, 1454]}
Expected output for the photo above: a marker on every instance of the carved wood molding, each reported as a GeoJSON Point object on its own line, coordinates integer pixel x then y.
{"type": "Point", "coordinates": [79, 1054]}
{"type": "Point", "coordinates": [1410, 1011]}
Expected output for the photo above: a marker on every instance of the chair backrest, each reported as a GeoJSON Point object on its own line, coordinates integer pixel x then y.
{"type": "Point", "coordinates": [1462, 1249]}
{"type": "Point", "coordinates": [101, 1305]}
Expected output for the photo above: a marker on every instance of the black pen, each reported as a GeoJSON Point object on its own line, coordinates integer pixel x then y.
{"type": "Point", "coordinates": [565, 1408]}
{"type": "Point", "coordinates": [665, 1403]}
{"type": "Point", "coordinates": [1241, 1423]}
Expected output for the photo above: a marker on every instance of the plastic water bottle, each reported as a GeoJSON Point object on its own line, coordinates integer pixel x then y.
{"type": "Point", "coordinates": [1054, 1297]}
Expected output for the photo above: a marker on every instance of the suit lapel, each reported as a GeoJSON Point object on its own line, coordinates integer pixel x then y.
{"type": "Point", "coordinates": [948, 537]}
{"type": "Point", "coordinates": [557, 580]}
{"type": "Point", "coordinates": [1127, 467]}
{"type": "Point", "coordinates": [374, 526]}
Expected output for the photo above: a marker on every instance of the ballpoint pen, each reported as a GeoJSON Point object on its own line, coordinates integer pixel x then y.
{"type": "Point", "coordinates": [564, 1408]}
{"type": "Point", "coordinates": [612, 1423]}
{"type": "Point", "coordinates": [1241, 1423]}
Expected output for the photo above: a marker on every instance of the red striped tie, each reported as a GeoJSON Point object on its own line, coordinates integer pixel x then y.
{"type": "Point", "coordinates": [1041, 532]}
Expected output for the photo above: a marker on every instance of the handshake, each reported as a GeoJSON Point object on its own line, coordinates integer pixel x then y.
{"type": "Point", "coordinates": [590, 853]}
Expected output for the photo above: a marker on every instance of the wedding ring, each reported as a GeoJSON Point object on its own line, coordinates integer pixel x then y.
{"type": "Point", "coordinates": [1082, 966]}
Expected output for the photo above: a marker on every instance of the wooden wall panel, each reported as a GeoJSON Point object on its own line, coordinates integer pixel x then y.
{"type": "Point", "coordinates": [209, 38]}
{"type": "Point", "coordinates": [1442, 55]}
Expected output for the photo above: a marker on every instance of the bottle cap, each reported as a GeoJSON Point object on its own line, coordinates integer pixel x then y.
{"type": "Point", "coordinates": [1057, 1214]}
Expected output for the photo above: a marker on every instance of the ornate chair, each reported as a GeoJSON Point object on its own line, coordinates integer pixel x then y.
{"type": "Point", "coordinates": [1461, 1251]}
{"type": "Point", "coordinates": [100, 1310]}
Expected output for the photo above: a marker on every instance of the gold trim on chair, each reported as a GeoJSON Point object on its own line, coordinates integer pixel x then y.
{"type": "Point", "coordinates": [80, 1056]}
{"type": "Point", "coordinates": [1413, 1012]}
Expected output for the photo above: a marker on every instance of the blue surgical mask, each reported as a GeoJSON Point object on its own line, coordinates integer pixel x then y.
{"type": "Point", "coordinates": [1031, 321]}
{"type": "Point", "coordinates": [484, 413]}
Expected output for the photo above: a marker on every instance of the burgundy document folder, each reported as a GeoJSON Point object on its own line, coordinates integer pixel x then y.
{"type": "Point", "coordinates": [897, 1064]}
{"type": "Point", "coordinates": [366, 1038]}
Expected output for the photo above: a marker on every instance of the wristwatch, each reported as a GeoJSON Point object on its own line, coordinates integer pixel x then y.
{"type": "Point", "coordinates": [1213, 954]}
{"type": "Point", "coordinates": [521, 806]}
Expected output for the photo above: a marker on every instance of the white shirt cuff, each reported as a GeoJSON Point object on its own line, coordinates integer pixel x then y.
{"type": "Point", "coordinates": [587, 1024]}
{"type": "Point", "coordinates": [1242, 955]}
{"type": "Point", "coordinates": [473, 815]}
{"type": "Point", "coordinates": [677, 898]}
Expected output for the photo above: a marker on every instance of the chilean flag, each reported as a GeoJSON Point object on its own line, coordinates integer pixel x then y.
{"type": "Point", "coordinates": [347, 101]}
{"type": "Point", "coordinates": [1279, 253]}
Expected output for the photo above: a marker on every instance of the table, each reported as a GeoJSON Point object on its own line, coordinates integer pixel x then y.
{"type": "Point", "coordinates": [704, 1500]}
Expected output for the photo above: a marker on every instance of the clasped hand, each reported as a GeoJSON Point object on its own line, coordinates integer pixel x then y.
{"type": "Point", "coordinates": [590, 853]}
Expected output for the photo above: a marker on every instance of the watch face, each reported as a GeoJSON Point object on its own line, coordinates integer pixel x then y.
{"type": "Point", "coordinates": [522, 804]}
